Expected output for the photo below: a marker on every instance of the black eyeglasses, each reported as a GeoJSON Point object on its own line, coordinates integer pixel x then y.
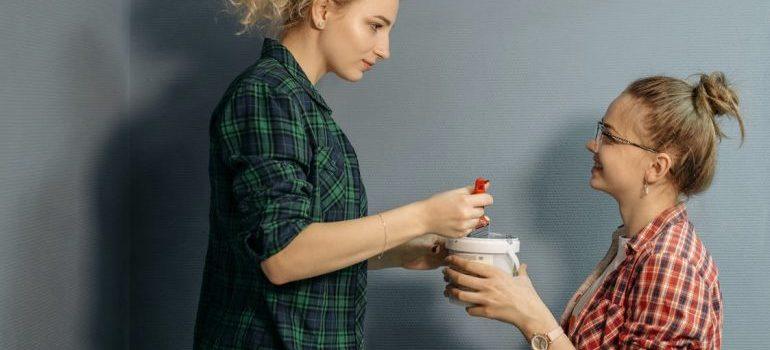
{"type": "Point", "coordinates": [601, 132]}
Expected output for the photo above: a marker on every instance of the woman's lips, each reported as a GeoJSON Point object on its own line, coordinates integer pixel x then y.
{"type": "Point", "coordinates": [367, 65]}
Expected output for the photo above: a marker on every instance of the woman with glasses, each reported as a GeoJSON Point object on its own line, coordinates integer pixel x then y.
{"type": "Point", "coordinates": [657, 287]}
{"type": "Point", "coordinates": [290, 240]}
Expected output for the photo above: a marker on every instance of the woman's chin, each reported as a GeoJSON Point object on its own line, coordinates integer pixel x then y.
{"type": "Point", "coordinates": [351, 76]}
{"type": "Point", "coordinates": [595, 183]}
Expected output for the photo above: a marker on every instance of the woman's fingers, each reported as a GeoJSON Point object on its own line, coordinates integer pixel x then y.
{"type": "Point", "coordinates": [465, 190]}
{"type": "Point", "coordinates": [459, 279]}
{"type": "Point", "coordinates": [475, 268]}
{"type": "Point", "coordinates": [438, 245]}
{"type": "Point", "coordinates": [457, 213]}
{"type": "Point", "coordinates": [480, 311]}
{"type": "Point", "coordinates": [467, 296]}
{"type": "Point", "coordinates": [470, 189]}
{"type": "Point", "coordinates": [476, 212]}
{"type": "Point", "coordinates": [482, 222]}
{"type": "Point", "coordinates": [480, 200]}
{"type": "Point", "coordinates": [470, 225]}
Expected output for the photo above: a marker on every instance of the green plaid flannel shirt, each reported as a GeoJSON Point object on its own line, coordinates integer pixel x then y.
{"type": "Point", "coordinates": [278, 162]}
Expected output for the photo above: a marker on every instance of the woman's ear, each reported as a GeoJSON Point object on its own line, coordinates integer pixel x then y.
{"type": "Point", "coordinates": [658, 168]}
{"type": "Point", "coordinates": [319, 12]}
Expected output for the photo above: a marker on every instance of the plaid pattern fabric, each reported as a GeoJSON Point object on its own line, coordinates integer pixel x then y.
{"type": "Point", "coordinates": [665, 295]}
{"type": "Point", "coordinates": [278, 162]}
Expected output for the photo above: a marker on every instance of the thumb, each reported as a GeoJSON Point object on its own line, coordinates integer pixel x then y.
{"type": "Point", "coordinates": [472, 188]}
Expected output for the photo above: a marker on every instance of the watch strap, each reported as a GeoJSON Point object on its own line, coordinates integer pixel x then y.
{"type": "Point", "coordinates": [554, 334]}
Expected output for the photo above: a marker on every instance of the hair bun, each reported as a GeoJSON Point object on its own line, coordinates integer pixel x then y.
{"type": "Point", "coordinates": [713, 96]}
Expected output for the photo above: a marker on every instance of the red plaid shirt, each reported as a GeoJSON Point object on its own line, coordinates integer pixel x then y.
{"type": "Point", "coordinates": [664, 295]}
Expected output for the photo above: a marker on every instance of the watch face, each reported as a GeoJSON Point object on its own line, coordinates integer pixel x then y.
{"type": "Point", "coordinates": [539, 342]}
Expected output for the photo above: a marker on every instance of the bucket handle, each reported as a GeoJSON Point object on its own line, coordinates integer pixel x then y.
{"type": "Point", "coordinates": [515, 260]}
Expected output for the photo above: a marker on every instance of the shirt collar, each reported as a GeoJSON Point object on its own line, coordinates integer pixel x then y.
{"type": "Point", "coordinates": [275, 50]}
{"type": "Point", "coordinates": [657, 226]}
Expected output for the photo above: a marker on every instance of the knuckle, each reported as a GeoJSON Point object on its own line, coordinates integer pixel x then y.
{"type": "Point", "coordinates": [457, 294]}
{"type": "Point", "coordinates": [459, 279]}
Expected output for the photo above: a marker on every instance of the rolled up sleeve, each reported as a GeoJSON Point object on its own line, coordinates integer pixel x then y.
{"type": "Point", "coordinates": [267, 149]}
{"type": "Point", "coordinates": [672, 309]}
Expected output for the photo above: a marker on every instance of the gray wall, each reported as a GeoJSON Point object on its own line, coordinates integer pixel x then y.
{"type": "Point", "coordinates": [511, 90]}
{"type": "Point", "coordinates": [63, 233]}
{"type": "Point", "coordinates": [504, 89]}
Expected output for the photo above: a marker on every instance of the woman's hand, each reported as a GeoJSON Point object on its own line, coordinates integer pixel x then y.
{"type": "Point", "coordinates": [455, 213]}
{"type": "Point", "coordinates": [498, 295]}
{"type": "Point", "coordinates": [423, 253]}
{"type": "Point", "coordinates": [426, 252]}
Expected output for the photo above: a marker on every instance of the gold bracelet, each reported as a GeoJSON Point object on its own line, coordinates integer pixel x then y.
{"type": "Point", "coordinates": [385, 232]}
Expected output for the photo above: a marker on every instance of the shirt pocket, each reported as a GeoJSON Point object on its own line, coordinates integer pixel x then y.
{"type": "Point", "coordinates": [332, 183]}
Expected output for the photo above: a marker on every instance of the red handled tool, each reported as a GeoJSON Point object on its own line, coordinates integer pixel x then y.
{"type": "Point", "coordinates": [480, 187]}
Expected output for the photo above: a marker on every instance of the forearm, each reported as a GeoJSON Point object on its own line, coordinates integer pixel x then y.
{"type": "Point", "coordinates": [325, 247]}
{"type": "Point", "coordinates": [390, 258]}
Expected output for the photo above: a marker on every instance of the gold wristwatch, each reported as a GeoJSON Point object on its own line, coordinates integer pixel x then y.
{"type": "Point", "coordinates": [543, 341]}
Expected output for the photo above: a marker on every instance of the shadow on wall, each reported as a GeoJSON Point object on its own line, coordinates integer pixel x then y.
{"type": "Point", "coordinates": [165, 188]}
{"type": "Point", "coordinates": [110, 309]}
{"type": "Point", "coordinates": [109, 177]}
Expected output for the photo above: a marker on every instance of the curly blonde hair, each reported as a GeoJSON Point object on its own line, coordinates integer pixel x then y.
{"type": "Point", "coordinates": [273, 17]}
{"type": "Point", "coordinates": [683, 121]}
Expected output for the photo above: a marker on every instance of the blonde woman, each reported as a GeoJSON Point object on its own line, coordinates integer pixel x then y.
{"type": "Point", "coordinates": [290, 239]}
{"type": "Point", "coordinates": [657, 287]}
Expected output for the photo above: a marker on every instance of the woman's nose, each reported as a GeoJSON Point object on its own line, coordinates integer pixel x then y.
{"type": "Point", "coordinates": [383, 49]}
{"type": "Point", "coordinates": [591, 146]}
{"type": "Point", "coordinates": [382, 54]}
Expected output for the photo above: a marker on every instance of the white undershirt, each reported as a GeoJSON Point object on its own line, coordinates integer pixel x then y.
{"type": "Point", "coordinates": [620, 255]}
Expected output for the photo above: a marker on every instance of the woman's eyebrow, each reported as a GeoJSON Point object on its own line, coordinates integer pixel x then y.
{"type": "Point", "coordinates": [384, 19]}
